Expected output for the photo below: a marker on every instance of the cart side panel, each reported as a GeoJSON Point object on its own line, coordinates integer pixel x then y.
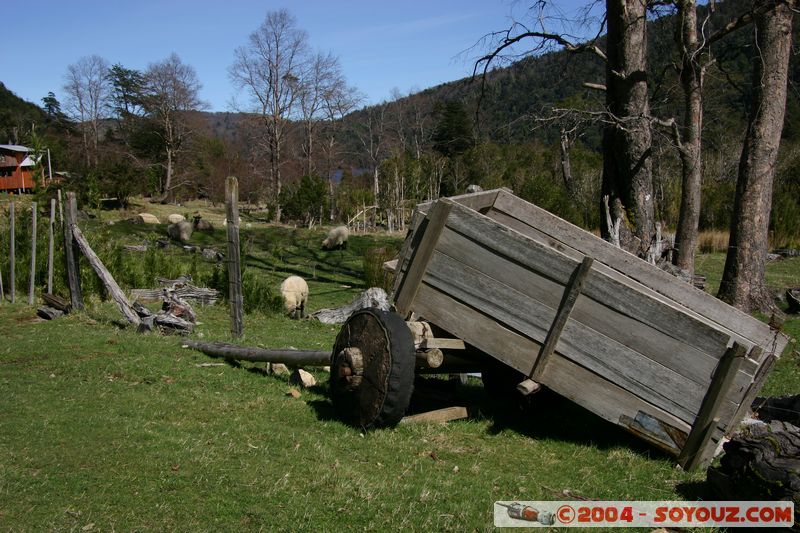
{"type": "Point", "coordinates": [565, 236]}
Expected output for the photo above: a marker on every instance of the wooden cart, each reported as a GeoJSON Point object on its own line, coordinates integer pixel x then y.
{"type": "Point", "coordinates": [609, 331]}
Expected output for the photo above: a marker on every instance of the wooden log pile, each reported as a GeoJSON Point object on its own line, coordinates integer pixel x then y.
{"type": "Point", "coordinates": [176, 316]}
{"type": "Point", "coordinates": [54, 307]}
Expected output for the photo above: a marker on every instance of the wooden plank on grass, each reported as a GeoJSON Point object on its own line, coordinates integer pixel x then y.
{"type": "Point", "coordinates": [439, 416]}
{"type": "Point", "coordinates": [407, 289]}
{"type": "Point", "coordinates": [566, 235]}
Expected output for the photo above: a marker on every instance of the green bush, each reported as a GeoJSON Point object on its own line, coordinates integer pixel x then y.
{"type": "Point", "coordinates": [373, 260]}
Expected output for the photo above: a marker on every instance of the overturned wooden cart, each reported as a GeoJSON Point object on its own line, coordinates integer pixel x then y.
{"type": "Point", "coordinates": [566, 310]}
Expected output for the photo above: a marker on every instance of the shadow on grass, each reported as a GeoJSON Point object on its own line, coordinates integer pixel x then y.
{"type": "Point", "coordinates": [696, 490]}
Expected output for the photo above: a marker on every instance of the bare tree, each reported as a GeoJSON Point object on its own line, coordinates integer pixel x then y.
{"type": "Point", "coordinates": [172, 91]}
{"type": "Point", "coordinates": [269, 68]}
{"type": "Point", "coordinates": [87, 87]}
{"type": "Point", "coordinates": [335, 104]}
{"type": "Point", "coordinates": [743, 283]}
{"type": "Point", "coordinates": [372, 134]}
{"type": "Point", "coordinates": [320, 82]}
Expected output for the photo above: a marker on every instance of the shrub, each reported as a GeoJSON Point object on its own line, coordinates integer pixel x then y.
{"type": "Point", "coordinates": [374, 274]}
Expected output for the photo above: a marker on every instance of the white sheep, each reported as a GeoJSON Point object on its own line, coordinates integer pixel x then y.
{"type": "Point", "coordinates": [336, 239]}
{"type": "Point", "coordinates": [294, 290]}
{"type": "Point", "coordinates": [174, 218]}
{"type": "Point", "coordinates": [180, 231]}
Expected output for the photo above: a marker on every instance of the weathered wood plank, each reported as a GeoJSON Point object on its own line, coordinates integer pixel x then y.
{"type": "Point", "coordinates": [407, 289]}
{"type": "Point", "coordinates": [684, 359]}
{"type": "Point", "coordinates": [571, 292]}
{"type": "Point", "coordinates": [694, 452]}
{"type": "Point", "coordinates": [477, 201]}
{"type": "Point", "coordinates": [616, 362]}
{"type": "Point", "coordinates": [72, 254]}
{"type": "Point", "coordinates": [572, 381]}
{"type": "Point", "coordinates": [50, 246]}
{"type": "Point", "coordinates": [106, 277]}
{"type": "Point", "coordinates": [559, 267]}
{"type": "Point", "coordinates": [439, 416]}
{"type": "Point", "coordinates": [234, 256]}
{"type": "Point", "coordinates": [570, 236]}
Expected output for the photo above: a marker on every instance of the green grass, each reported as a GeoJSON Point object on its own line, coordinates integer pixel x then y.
{"type": "Point", "coordinates": [104, 429]}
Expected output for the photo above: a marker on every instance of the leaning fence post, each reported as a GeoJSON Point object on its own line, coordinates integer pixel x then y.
{"type": "Point", "coordinates": [50, 246]}
{"type": "Point", "coordinates": [32, 284]}
{"type": "Point", "coordinates": [11, 280]}
{"type": "Point", "coordinates": [72, 254]}
{"type": "Point", "coordinates": [60, 208]}
{"type": "Point", "coordinates": [234, 257]}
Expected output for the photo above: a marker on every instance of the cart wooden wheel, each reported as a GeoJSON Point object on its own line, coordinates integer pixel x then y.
{"type": "Point", "coordinates": [372, 369]}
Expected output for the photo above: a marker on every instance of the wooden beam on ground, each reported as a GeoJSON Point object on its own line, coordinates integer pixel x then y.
{"type": "Point", "coordinates": [57, 302]}
{"type": "Point", "coordinates": [438, 416]}
{"type": "Point", "coordinates": [106, 277]}
{"type": "Point", "coordinates": [72, 254]}
{"type": "Point", "coordinates": [265, 355]}
{"type": "Point", "coordinates": [235, 298]}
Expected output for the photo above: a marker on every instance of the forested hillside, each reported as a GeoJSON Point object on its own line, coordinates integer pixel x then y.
{"type": "Point", "coordinates": [509, 129]}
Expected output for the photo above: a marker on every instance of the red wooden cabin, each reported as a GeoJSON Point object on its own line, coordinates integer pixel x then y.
{"type": "Point", "coordinates": [16, 168]}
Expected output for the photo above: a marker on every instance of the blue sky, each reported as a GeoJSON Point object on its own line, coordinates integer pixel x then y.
{"type": "Point", "coordinates": [408, 45]}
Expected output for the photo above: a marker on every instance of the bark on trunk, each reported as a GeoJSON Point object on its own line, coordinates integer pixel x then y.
{"type": "Point", "coordinates": [743, 284]}
{"type": "Point", "coordinates": [627, 165]}
{"type": "Point", "coordinates": [690, 146]}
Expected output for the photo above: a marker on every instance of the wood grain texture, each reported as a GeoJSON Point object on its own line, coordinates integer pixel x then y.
{"type": "Point", "coordinates": [235, 298]}
{"type": "Point", "coordinates": [72, 254]}
{"type": "Point", "coordinates": [570, 236]}
{"type": "Point", "coordinates": [105, 276]}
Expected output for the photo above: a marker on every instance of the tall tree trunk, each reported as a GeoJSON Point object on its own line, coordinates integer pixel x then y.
{"type": "Point", "coordinates": [168, 180]}
{"type": "Point", "coordinates": [743, 283]}
{"type": "Point", "coordinates": [627, 165]}
{"type": "Point", "coordinates": [689, 146]}
{"type": "Point", "coordinates": [566, 166]}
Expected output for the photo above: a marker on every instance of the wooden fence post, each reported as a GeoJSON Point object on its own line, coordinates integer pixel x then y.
{"type": "Point", "coordinates": [72, 254]}
{"type": "Point", "coordinates": [2, 292]}
{"type": "Point", "coordinates": [50, 246]}
{"type": "Point", "coordinates": [32, 283]}
{"type": "Point", "coordinates": [11, 259]}
{"type": "Point", "coordinates": [60, 209]}
{"type": "Point", "coordinates": [234, 256]}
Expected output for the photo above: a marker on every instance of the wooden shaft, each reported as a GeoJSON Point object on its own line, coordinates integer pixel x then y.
{"type": "Point", "coordinates": [50, 246]}
{"type": "Point", "coordinates": [234, 256]}
{"type": "Point", "coordinates": [32, 284]}
{"type": "Point", "coordinates": [267, 355]}
{"type": "Point", "coordinates": [106, 277]}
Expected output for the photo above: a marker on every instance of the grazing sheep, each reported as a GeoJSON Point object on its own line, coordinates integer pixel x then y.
{"type": "Point", "coordinates": [174, 218]}
{"type": "Point", "coordinates": [145, 218]}
{"type": "Point", "coordinates": [180, 231]}
{"type": "Point", "coordinates": [202, 225]}
{"type": "Point", "coordinates": [336, 239]}
{"type": "Point", "coordinates": [471, 189]}
{"type": "Point", "coordinates": [294, 290]}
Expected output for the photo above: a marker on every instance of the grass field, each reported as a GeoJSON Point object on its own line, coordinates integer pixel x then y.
{"type": "Point", "coordinates": [103, 429]}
